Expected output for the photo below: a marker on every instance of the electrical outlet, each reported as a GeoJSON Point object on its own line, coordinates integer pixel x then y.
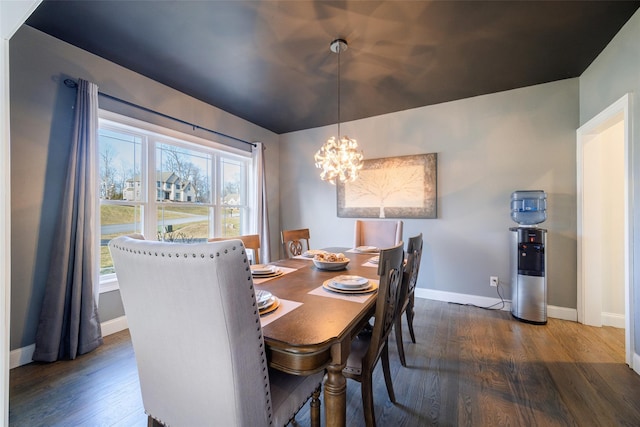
{"type": "Point", "coordinates": [493, 281]}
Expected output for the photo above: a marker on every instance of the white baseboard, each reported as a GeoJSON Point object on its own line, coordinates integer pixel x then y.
{"type": "Point", "coordinates": [563, 313]}
{"type": "Point", "coordinates": [613, 319]}
{"type": "Point", "coordinates": [24, 355]}
{"type": "Point", "coordinates": [636, 363]}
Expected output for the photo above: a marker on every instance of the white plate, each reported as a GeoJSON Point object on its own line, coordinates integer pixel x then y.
{"type": "Point", "coordinates": [367, 249]}
{"type": "Point", "coordinates": [348, 281]}
{"type": "Point", "coordinates": [271, 305]}
{"type": "Point", "coordinates": [375, 259]}
{"type": "Point", "coordinates": [262, 268]}
{"type": "Point", "coordinates": [329, 286]}
{"type": "Point", "coordinates": [263, 297]}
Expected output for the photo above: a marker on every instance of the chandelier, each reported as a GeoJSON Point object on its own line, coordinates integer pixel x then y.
{"type": "Point", "coordinates": [339, 157]}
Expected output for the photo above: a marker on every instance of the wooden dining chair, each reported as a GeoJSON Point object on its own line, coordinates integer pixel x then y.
{"type": "Point", "coordinates": [407, 292]}
{"type": "Point", "coordinates": [250, 241]}
{"type": "Point", "coordinates": [197, 338]}
{"type": "Point", "coordinates": [378, 233]}
{"type": "Point", "coordinates": [370, 346]}
{"type": "Point", "coordinates": [292, 242]}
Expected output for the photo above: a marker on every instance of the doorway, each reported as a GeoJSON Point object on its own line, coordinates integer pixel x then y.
{"type": "Point", "coordinates": [604, 221]}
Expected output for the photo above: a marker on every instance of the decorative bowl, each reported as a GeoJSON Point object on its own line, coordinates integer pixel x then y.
{"type": "Point", "coordinates": [328, 265]}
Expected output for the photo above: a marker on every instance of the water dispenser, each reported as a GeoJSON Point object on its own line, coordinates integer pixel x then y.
{"type": "Point", "coordinates": [529, 257]}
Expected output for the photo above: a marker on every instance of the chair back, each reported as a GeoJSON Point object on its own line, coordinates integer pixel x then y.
{"type": "Point", "coordinates": [292, 242]}
{"type": "Point", "coordinates": [195, 329]}
{"type": "Point", "coordinates": [388, 299]}
{"type": "Point", "coordinates": [250, 241]}
{"type": "Point", "coordinates": [414, 255]}
{"type": "Point", "coordinates": [378, 233]}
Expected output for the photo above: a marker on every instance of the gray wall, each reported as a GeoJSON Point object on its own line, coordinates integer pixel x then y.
{"type": "Point", "coordinates": [615, 72]}
{"type": "Point", "coordinates": [41, 125]}
{"type": "Point", "coordinates": [487, 146]}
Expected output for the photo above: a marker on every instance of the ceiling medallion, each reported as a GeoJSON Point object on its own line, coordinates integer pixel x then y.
{"type": "Point", "coordinates": [339, 158]}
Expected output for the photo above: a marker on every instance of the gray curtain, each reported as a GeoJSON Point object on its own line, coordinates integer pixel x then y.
{"type": "Point", "coordinates": [261, 224]}
{"type": "Point", "coordinates": [69, 324]}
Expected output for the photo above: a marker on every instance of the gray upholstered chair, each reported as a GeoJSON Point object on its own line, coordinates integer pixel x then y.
{"type": "Point", "coordinates": [372, 345]}
{"type": "Point", "coordinates": [378, 233]}
{"type": "Point", "coordinates": [197, 338]}
{"type": "Point", "coordinates": [292, 242]}
{"type": "Point", "coordinates": [407, 292]}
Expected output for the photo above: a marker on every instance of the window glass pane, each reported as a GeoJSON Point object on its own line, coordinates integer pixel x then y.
{"type": "Point", "coordinates": [182, 175]}
{"type": "Point", "coordinates": [120, 166]}
{"type": "Point", "coordinates": [231, 221]}
{"type": "Point", "coordinates": [116, 220]}
{"type": "Point", "coordinates": [183, 224]}
{"type": "Point", "coordinates": [232, 183]}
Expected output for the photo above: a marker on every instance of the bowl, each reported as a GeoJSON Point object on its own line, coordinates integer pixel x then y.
{"type": "Point", "coordinates": [328, 265]}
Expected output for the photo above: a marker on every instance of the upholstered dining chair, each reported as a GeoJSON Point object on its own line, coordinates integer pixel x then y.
{"type": "Point", "coordinates": [196, 334]}
{"type": "Point", "coordinates": [407, 292]}
{"type": "Point", "coordinates": [378, 233]}
{"type": "Point", "coordinates": [292, 242]}
{"type": "Point", "coordinates": [250, 241]}
{"type": "Point", "coordinates": [370, 346]}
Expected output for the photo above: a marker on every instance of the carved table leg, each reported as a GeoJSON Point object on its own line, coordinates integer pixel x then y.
{"type": "Point", "coordinates": [335, 396]}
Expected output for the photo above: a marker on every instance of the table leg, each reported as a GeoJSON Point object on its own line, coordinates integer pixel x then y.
{"type": "Point", "coordinates": [335, 396]}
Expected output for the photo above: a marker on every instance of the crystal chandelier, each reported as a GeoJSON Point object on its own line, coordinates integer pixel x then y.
{"type": "Point", "coordinates": [339, 158]}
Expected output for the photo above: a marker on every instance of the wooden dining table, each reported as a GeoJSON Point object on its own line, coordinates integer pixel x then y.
{"type": "Point", "coordinates": [317, 334]}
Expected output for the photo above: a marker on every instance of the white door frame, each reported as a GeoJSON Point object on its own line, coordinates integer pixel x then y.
{"type": "Point", "coordinates": [588, 295]}
{"type": "Point", "coordinates": [12, 15]}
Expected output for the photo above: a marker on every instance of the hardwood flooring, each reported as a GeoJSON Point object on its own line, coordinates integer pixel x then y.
{"type": "Point", "coordinates": [470, 367]}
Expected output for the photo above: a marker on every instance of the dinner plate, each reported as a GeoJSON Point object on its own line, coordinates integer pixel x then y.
{"type": "Point", "coordinates": [329, 286]}
{"type": "Point", "coordinates": [271, 306]}
{"type": "Point", "coordinates": [313, 252]}
{"type": "Point", "coordinates": [347, 281]}
{"type": "Point", "coordinates": [263, 268]}
{"type": "Point", "coordinates": [263, 297]}
{"type": "Point", "coordinates": [268, 276]}
{"type": "Point", "coordinates": [367, 249]}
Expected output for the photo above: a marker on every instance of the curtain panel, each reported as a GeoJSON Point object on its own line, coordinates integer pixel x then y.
{"type": "Point", "coordinates": [69, 323]}
{"type": "Point", "coordinates": [261, 218]}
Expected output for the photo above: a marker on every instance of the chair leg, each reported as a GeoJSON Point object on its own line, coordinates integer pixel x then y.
{"type": "Point", "coordinates": [315, 408]}
{"type": "Point", "coordinates": [387, 372]}
{"type": "Point", "coordinates": [398, 327]}
{"type": "Point", "coordinates": [410, 314]}
{"type": "Point", "coordinates": [366, 389]}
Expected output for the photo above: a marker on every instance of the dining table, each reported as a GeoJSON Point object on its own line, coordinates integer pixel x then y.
{"type": "Point", "coordinates": [312, 328]}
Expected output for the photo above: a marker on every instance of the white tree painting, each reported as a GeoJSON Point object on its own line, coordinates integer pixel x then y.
{"type": "Point", "coordinates": [396, 187]}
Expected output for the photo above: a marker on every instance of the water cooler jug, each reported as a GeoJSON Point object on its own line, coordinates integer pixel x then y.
{"type": "Point", "coordinates": [529, 257]}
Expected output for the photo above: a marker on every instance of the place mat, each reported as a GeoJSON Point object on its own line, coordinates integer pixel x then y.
{"type": "Point", "coordinates": [369, 264]}
{"type": "Point", "coordinates": [285, 307]}
{"type": "Point", "coordinates": [285, 270]}
{"type": "Point", "coordinates": [303, 257]}
{"type": "Point", "coordinates": [361, 298]}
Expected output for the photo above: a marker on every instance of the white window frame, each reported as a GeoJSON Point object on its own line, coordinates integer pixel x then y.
{"type": "Point", "coordinates": [155, 135]}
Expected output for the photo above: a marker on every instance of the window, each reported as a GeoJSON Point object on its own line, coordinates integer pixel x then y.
{"type": "Point", "coordinates": [168, 186]}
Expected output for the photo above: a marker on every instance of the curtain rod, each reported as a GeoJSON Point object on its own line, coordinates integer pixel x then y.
{"type": "Point", "coordinates": [72, 84]}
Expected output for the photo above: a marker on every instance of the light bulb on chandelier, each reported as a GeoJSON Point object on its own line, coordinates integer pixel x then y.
{"type": "Point", "coordinates": [339, 158]}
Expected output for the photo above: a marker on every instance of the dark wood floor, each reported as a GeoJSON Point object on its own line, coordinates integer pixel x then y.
{"type": "Point", "coordinates": [470, 367]}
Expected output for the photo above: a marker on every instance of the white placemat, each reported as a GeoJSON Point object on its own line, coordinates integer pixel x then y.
{"type": "Point", "coordinates": [285, 307]}
{"type": "Point", "coordinates": [369, 264]}
{"type": "Point", "coordinates": [285, 270]}
{"type": "Point", "coordinates": [361, 298]}
{"type": "Point", "coordinates": [303, 257]}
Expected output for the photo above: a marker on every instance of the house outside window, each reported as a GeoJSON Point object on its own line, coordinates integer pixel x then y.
{"type": "Point", "coordinates": [167, 186]}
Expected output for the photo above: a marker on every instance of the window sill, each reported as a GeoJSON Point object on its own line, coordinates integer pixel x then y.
{"type": "Point", "coordinates": [109, 285]}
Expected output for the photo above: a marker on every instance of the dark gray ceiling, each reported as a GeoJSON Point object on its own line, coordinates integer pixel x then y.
{"type": "Point", "coordinates": [269, 61]}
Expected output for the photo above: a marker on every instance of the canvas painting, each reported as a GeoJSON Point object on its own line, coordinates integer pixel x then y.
{"type": "Point", "coordinates": [392, 187]}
